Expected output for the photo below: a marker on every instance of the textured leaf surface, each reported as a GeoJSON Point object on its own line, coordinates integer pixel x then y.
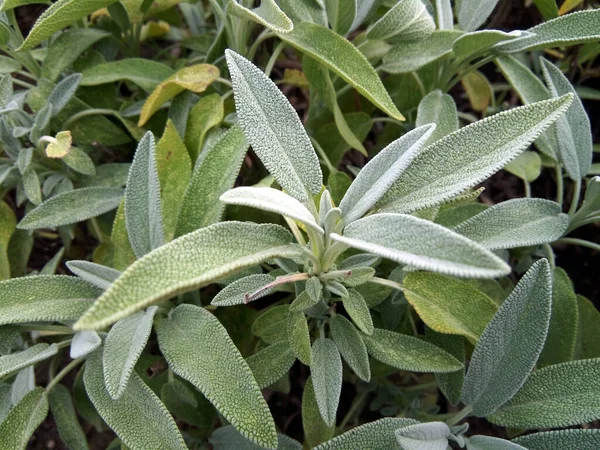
{"type": "Point", "coordinates": [315, 429]}
{"type": "Point", "coordinates": [203, 116]}
{"type": "Point", "coordinates": [561, 439]}
{"type": "Point", "coordinates": [341, 14]}
{"type": "Point", "coordinates": [299, 337]}
{"type": "Point", "coordinates": [199, 350]}
{"type": "Point", "coordinates": [13, 363]}
{"type": "Point", "coordinates": [64, 415]}
{"type": "Point", "coordinates": [187, 263]}
{"type": "Point", "coordinates": [448, 305]}
{"type": "Point", "coordinates": [470, 45]}
{"type": "Point", "coordinates": [268, 14]}
{"type": "Point", "coordinates": [146, 73]}
{"type": "Point", "coordinates": [274, 130]}
{"type": "Point", "coordinates": [270, 325]}
{"type": "Point", "coordinates": [491, 443]}
{"type": "Point", "coordinates": [235, 293]}
{"type": "Point", "coordinates": [8, 223]}
{"type": "Point", "coordinates": [555, 396]}
{"type": "Point", "coordinates": [271, 363]}
{"type": "Point", "coordinates": [429, 436]}
{"type": "Point", "coordinates": [409, 353]}
{"type": "Point", "coordinates": [23, 419]}
{"type": "Point", "coordinates": [473, 13]}
{"type": "Point", "coordinates": [407, 20]}
{"type": "Point", "coordinates": [421, 244]}
{"type": "Point", "coordinates": [84, 343]}
{"type": "Point", "coordinates": [72, 207]}
{"type": "Point", "coordinates": [470, 155]}
{"type": "Point", "coordinates": [227, 437]}
{"type": "Point", "coordinates": [93, 273]}
{"type": "Point", "coordinates": [588, 332]}
{"type": "Point", "coordinates": [357, 309]}
{"type": "Point", "coordinates": [527, 166]}
{"type": "Point", "coordinates": [511, 343]}
{"type": "Point", "coordinates": [351, 346]}
{"type": "Point", "coordinates": [449, 383]}
{"type": "Point", "coordinates": [123, 347]}
{"type": "Point", "coordinates": [154, 428]}
{"type": "Point", "coordinates": [440, 109]}
{"type": "Point", "coordinates": [326, 371]}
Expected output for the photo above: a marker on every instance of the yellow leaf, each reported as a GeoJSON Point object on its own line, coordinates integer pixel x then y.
{"type": "Point", "coordinates": [295, 77]}
{"type": "Point", "coordinates": [478, 90]}
{"type": "Point", "coordinates": [8, 222]}
{"type": "Point", "coordinates": [154, 29]}
{"type": "Point", "coordinates": [61, 145]}
{"type": "Point", "coordinates": [569, 5]}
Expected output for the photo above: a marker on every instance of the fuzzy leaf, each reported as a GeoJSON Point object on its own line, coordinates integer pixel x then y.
{"type": "Point", "coordinates": [351, 346]}
{"type": "Point", "coordinates": [470, 155]}
{"type": "Point", "coordinates": [64, 415]}
{"type": "Point", "coordinates": [79, 161]}
{"type": "Point", "coordinates": [326, 372]}
{"type": "Point", "coordinates": [95, 274]}
{"type": "Point", "coordinates": [341, 14]}
{"type": "Point", "coordinates": [424, 436]}
{"type": "Point", "coordinates": [357, 309]}
{"type": "Point", "coordinates": [315, 429]}
{"type": "Point", "coordinates": [555, 396]}
{"type": "Point", "coordinates": [299, 337]}
{"type": "Point", "coordinates": [61, 147]}
{"type": "Point", "coordinates": [473, 13]}
{"type": "Point", "coordinates": [235, 293]}
{"type": "Point", "coordinates": [122, 349]}
{"type": "Point", "coordinates": [471, 45]}
{"type": "Point", "coordinates": [449, 383]}
{"type": "Point", "coordinates": [23, 419]}
{"type": "Point", "coordinates": [270, 326]}
{"type": "Point", "coordinates": [588, 439]}
{"type": "Point", "coordinates": [491, 443]}
{"type": "Point", "coordinates": [448, 305]}
{"type": "Point", "coordinates": [407, 20]}
{"type": "Point", "coordinates": [203, 116]}
{"type": "Point", "coordinates": [440, 109]}
{"type": "Point", "coordinates": [84, 343]}
{"type": "Point", "coordinates": [478, 90]}
{"type": "Point", "coordinates": [422, 244]}
{"type": "Point", "coordinates": [155, 428]}
{"type": "Point", "coordinates": [527, 166]}
{"type": "Point", "coordinates": [511, 343]}
{"type": "Point", "coordinates": [409, 353]}
{"type": "Point", "coordinates": [44, 298]}
{"type": "Point", "coordinates": [588, 332]}
{"type": "Point", "coordinates": [13, 363]}
{"type": "Point", "coordinates": [145, 73]}
{"type": "Point", "coordinates": [199, 350]}
{"type": "Point", "coordinates": [227, 437]}
{"type": "Point", "coordinates": [267, 14]}
{"type": "Point", "coordinates": [8, 223]}
{"type": "Point", "coordinates": [274, 130]}
{"type": "Point", "coordinates": [72, 207]}
{"type": "Point", "coordinates": [271, 363]}
{"type": "Point", "coordinates": [381, 172]}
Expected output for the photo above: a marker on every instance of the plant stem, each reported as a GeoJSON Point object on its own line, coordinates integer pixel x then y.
{"type": "Point", "coordinates": [387, 283]}
{"type": "Point", "coordinates": [324, 159]}
{"type": "Point", "coordinates": [582, 242]}
{"type": "Point", "coordinates": [277, 282]}
{"type": "Point", "coordinates": [335, 275]}
{"type": "Point", "coordinates": [224, 81]}
{"type": "Point", "coordinates": [550, 254]}
{"type": "Point", "coordinates": [560, 187]}
{"type": "Point", "coordinates": [64, 372]}
{"type": "Point", "coordinates": [575, 200]}
{"type": "Point", "coordinates": [470, 68]}
{"type": "Point", "coordinates": [527, 188]}
{"type": "Point", "coordinates": [22, 83]}
{"type": "Point", "coordinates": [88, 112]}
{"type": "Point", "coordinates": [266, 34]}
{"type": "Point", "coordinates": [273, 59]}
{"type": "Point", "coordinates": [463, 413]}
{"type": "Point", "coordinates": [295, 231]}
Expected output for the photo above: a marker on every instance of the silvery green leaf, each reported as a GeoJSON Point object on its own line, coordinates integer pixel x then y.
{"type": "Point", "coordinates": [93, 273]}
{"type": "Point", "coordinates": [422, 244]}
{"type": "Point", "coordinates": [198, 349]}
{"type": "Point", "coordinates": [362, 10]}
{"type": "Point", "coordinates": [139, 418]}
{"type": "Point", "coordinates": [13, 363]}
{"type": "Point", "coordinates": [357, 309]}
{"type": "Point", "coordinates": [108, 175]}
{"type": "Point", "coordinates": [409, 353]}
{"type": "Point", "coordinates": [471, 45]}
{"type": "Point", "coordinates": [31, 187]}
{"type": "Point", "coordinates": [44, 298]}
{"type": "Point", "coordinates": [5, 401]}
{"type": "Point", "coordinates": [143, 210]}
{"type": "Point", "coordinates": [424, 436]}
{"type": "Point", "coordinates": [473, 13]}
{"type": "Point", "coordinates": [381, 172]}
{"type": "Point", "coordinates": [80, 162]}
{"type": "Point", "coordinates": [188, 263]}
{"type": "Point", "coordinates": [84, 343]}
{"type": "Point", "coordinates": [145, 73]}
{"type": "Point", "coordinates": [444, 15]}
{"type": "Point", "coordinates": [267, 14]}
{"type": "Point", "coordinates": [360, 260]}
{"type": "Point", "coordinates": [440, 109]}
{"type": "Point", "coordinates": [315, 429]}
{"type": "Point", "coordinates": [411, 56]}
{"type": "Point", "coordinates": [587, 439]}
{"type": "Point", "coordinates": [274, 130]}
{"type": "Point", "coordinates": [341, 14]}
{"type": "Point", "coordinates": [351, 346]}
{"type": "Point", "coordinates": [574, 133]}
{"type": "Point", "coordinates": [378, 435]}
{"type": "Point", "coordinates": [122, 349]}
{"type": "Point", "coordinates": [309, 297]}
{"type": "Point", "coordinates": [271, 363]}
{"type": "Point", "coordinates": [556, 396]}
{"type": "Point", "coordinates": [65, 417]}
{"type": "Point", "coordinates": [590, 208]}
{"type": "Point", "coordinates": [24, 160]}
{"type": "Point", "coordinates": [470, 155]}
{"type": "Point", "coordinates": [52, 265]}
{"type": "Point", "coordinates": [326, 372]}
{"type": "Point", "coordinates": [6, 90]}
{"type": "Point", "coordinates": [527, 166]}
{"type": "Point", "coordinates": [23, 419]}
{"type": "Point", "coordinates": [24, 383]}
{"type": "Point", "coordinates": [270, 325]}
{"type": "Point", "coordinates": [511, 343]}
{"type": "Point", "coordinates": [63, 93]}
{"type": "Point", "coordinates": [299, 337]}
{"type": "Point", "coordinates": [358, 276]}
{"type": "Point", "coordinates": [337, 289]}
{"type": "Point", "coordinates": [72, 207]}
{"type": "Point", "coordinates": [235, 293]}
{"type": "Point", "coordinates": [407, 20]}
{"type": "Point", "coordinates": [519, 222]}
{"type": "Point", "coordinates": [272, 200]}
{"type": "Point", "coordinates": [571, 29]}
{"type": "Point", "coordinates": [491, 443]}
{"type": "Point", "coordinates": [227, 438]}
{"type": "Point", "coordinates": [449, 383]}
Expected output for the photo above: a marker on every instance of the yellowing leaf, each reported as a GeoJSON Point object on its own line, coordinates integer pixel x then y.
{"type": "Point", "coordinates": [204, 115]}
{"type": "Point", "coordinates": [568, 6]}
{"type": "Point", "coordinates": [478, 90]}
{"type": "Point", "coordinates": [61, 146]}
{"type": "Point", "coordinates": [8, 222]}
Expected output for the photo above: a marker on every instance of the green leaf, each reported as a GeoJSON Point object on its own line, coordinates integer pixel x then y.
{"type": "Point", "coordinates": [272, 200]}
{"type": "Point", "coordinates": [95, 274]}
{"type": "Point", "coordinates": [72, 207]}
{"type": "Point", "coordinates": [199, 350]}
{"type": "Point", "coordinates": [343, 58]}
{"type": "Point", "coordinates": [471, 45]}
{"type": "Point", "coordinates": [267, 14]}
{"type": "Point", "coordinates": [357, 309]}
{"type": "Point", "coordinates": [575, 28]}
{"type": "Point", "coordinates": [315, 429]}
{"type": "Point", "coordinates": [44, 298]}
{"type": "Point", "coordinates": [122, 349]}
{"type": "Point", "coordinates": [236, 292]}
{"type": "Point", "coordinates": [8, 223]}
{"type": "Point", "coordinates": [84, 343]}
{"type": "Point", "coordinates": [304, 11]}
{"type": "Point", "coordinates": [547, 8]}
{"type": "Point", "coordinates": [440, 109]}
{"type": "Point", "coordinates": [511, 343]}
{"type": "Point", "coordinates": [411, 56]}
{"type": "Point", "coordinates": [271, 363]}
{"type": "Point", "coordinates": [407, 20]}
{"type": "Point", "coordinates": [23, 419]}
{"type": "Point", "coordinates": [13, 363]}
{"type": "Point", "coordinates": [555, 396]}
{"type": "Point", "coordinates": [309, 297]}
{"type": "Point", "coordinates": [448, 305]}
{"type": "Point", "coordinates": [203, 116]}
{"type": "Point", "coordinates": [351, 346]}
{"type": "Point", "coordinates": [227, 437]}
{"type": "Point", "coordinates": [588, 439]}
{"type": "Point", "coordinates": [188, 405]}
{"type": "Point", "coordinates": [12, 4]}
{"type": "Point", "coordinates": [79, 161]}
{"type": "Point", "coordinates": [341, 14]}
{"type": "Point", "coordinates": [214, 175]}
{"type": "Point", "coordinates": [381, 172]}
{"type": "Point", "coordinates": [470, 155]}
{"type": "Point", "coordinates": [195, 78]}
{"type": "Point", "coordinates": [145, 73]}
{"type": "Point", "coordinates": [409, 353]}
{"type": "Point", "coordinates": [155, 428]}
{"type": "Point", "coordinates": [424, 436]}
{"type": "Point", "coordinates": [326, 372]}
{"type": "Point", "coordinates": [270, 326]}
{"type": "Point", "coordinates": [573, 130]}
{"type": "Point", "coordinates": [473, 13]}
{"type": "Point", "coordinates": [588, 331]}
{"type": "Point", "coordinates": [491, 443]}
{"type": "Point", "coordinates": [378, 435]}
{"type": "Point", "coordinates": [274, 130]}
{"type": "Point", "coordinates": [60, 15]}
{"type": "Point", "coordinates": [527, 166]}
{"type": "Point", "coordinates": [422, 244]}
{"type": "Point", "coordinates": [299, 336]}
{"type": "Point", "coordinates": [188, 263]}
{"type": "Point", "coordinates": [64, 415]}
{"type": "Point", "coordinates": [31, 187]}
{"type": "Point", "coordinates": [519, 222]}
{"type": "Point", "coordinates": [449, 383]}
